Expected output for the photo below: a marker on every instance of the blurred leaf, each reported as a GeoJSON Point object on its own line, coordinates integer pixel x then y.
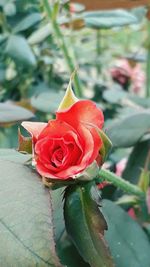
{"type": "Point", "coordinates": [10, 113]}
{"type": "Point", "coordinates": [19, 50]}
{"type": "Point", "coordinates": [40, 35]}
{"type": "Point", "coordinates": [85, 225]}
{"type": "Point", "coordinates": [128, 242]}
{"type": "Point", "coordinates": [26, 219]}
{"type": "Point", "coordinates": [127, 131]}
{"type": "Point", "coordinates": [114, 95]}
{"type": "Point", "coordinates": [108, 19]}
{"type": "Point", "coordinates": [27, 22]}
{"type": "Point", "coordinates": [47, 101]}
{"type": "Point", "coordinates": [136, 162]}
{"type": "Point", "coordinates": [144, 102]}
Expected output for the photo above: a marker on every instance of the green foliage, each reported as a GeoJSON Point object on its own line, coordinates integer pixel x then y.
{"type": "Point", "coordinates": [11, 113]}
{"type": "Point", "coordinates": [128, 242]}
{"type": "Point", "coordinates": [137, 161]}
{"type": "Point", "coordinates": [129, 130]}
{"type": "Point", "coordinates": [26, 218]}
{"type": "Point", "coordinates": [108, 19]}
{"type": "Point", "coordinates": [86, 225]}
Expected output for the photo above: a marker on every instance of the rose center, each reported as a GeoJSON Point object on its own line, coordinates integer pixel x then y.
{"type": "Point", "coordinates": [57, 157]}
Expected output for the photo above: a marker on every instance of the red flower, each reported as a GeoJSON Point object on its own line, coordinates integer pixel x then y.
{"type": "Point", "coordinates": [66, 146]}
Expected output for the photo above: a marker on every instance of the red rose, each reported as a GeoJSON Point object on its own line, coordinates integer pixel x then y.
{"type": "Point", "coordinates": [66, 146]}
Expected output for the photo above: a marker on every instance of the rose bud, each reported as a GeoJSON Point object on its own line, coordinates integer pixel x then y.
{"type": "Point", "coordinates": [71, 145]}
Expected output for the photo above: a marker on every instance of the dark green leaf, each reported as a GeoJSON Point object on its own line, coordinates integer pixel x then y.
{"type": "Point", "coordinates": [65, 249]}
{"type": "Point", "coordinates": [128, 242]}
{"type": "Point", "coordinates": [19, 50]}
{"type": "Point", "coordinates": [136, 162]}
{"type": "Point", "coordinates": [85, 224]}
{"type": "Point", "coordinates": [127, 131]}
{"type": "Point", "coordinates": [10, 113]}
{"type": "Point", "coordinates": [26, 219]}
{"type": "Point", "coordinates": [108, 19]}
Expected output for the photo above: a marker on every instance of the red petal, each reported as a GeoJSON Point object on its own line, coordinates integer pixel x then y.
{"type": "Point", "coordinates": [55, 129]}
{"type": "Point", "coordinates": [83, 111]}
{"type": "Point", "coordinates": [34, 128]}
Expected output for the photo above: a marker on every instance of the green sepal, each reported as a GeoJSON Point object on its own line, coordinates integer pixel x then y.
{"type": "Point", "coordinates": [106, 146]}
{"type": "Point", "coordinates": [144, 180]}
{"type": "Point", "coordinates": [24, 143]}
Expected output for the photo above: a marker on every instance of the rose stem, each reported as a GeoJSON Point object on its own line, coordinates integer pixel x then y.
{"type": "Point", "coordinates": [64, 48]}
{"type": "Point", "coordinates": [105, 175]}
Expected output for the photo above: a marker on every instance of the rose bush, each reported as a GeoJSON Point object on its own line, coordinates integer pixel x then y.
{"type": "Point", "coordinates": [66, 146]}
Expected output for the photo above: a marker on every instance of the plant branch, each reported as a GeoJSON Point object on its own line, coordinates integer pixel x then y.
{"type": "Point", "coordinates": [63, 46]}
{"type": "Point", "coordinates": [105, 175]}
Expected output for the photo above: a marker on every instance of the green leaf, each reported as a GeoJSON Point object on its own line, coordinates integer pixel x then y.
{"type": "Point", "coordinates": [85, 225]}
{"type": "Point", "coordinates": [26, 219]}
{"type": "Point", "coordinates": [10, 113]}
{"type": "Point", "coordinates": [136, 162]}
{"type": "Point", "coordinates": [47, 101]}
{"type": "Point", "coordinates": [40, 35]}
{"type": "Point", "coordinates": [144, 102]}
{"type": "Point", "coordinates": [19, 50]}
{"type": "Point", "coordinates": [114, 95]}
{"type": "Point", "coordinates": [128, 242]}
{"type": "Point", "coordinates": [13, 156]}
{"type": "Point", "coordinates": [65, 249]}
{"type": "Point", "coordinates": [108, 19]}
{"type": "Point", "coordinates": [27, 22]}
{"type": "Point", "coordinates": [127, 131]}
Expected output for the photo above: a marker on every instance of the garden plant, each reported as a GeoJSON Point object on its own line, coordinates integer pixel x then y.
{"type": "Point", "coordinates": [75, 133]}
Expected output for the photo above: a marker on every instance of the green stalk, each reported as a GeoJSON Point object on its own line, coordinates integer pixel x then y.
{"type": "Point", "coordinates": [105, 175]}
{"type": "Point", "coordinates": [64, 48]}
{"type": "Point", "coordinates": [98, 51]}
{"type": "Point", "coordinates": [148, 62]}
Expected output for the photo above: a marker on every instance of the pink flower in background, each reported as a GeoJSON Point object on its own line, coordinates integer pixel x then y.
{"type": "Point", "coordinates": [131, 213]}
{"type": "Point", "coordinates": [124, 73]}
{"type": "Point", "coordinates": [148, 200]}
{"type": "Point", "coordinates": [120, 166]}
